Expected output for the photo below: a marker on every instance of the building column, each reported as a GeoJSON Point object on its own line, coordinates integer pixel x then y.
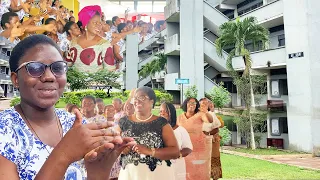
{"type": "Point", "coordinates": [132, 60]}
{"type": "Point", "coordinates": [135, 5]}
{"type": "Point", "coordinates": [269, 98]}
{"type": "Point", "coordinates": [301, 24]}
{"type": "Point", "coordinates": [191, 44]}
{"type": "Point", "coordinates": [265, 2]}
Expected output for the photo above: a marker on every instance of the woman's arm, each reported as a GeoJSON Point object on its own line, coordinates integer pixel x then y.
{"type": "Point", "coordinates": [116, 50]}
{"type": "Point", "coordinates": [54, 168]}
{"type": "Point", "coordinates": [171, 150]}
{"type": "Point", "coordinates": [186, 143]}
{"type": "Point", "coordinates": [8, 170]}
{"type": "Point", "coordinates": [14, 6]}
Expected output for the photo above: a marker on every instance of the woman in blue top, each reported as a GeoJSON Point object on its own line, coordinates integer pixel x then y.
{"type": "Point", "coordinates": [38, 141]}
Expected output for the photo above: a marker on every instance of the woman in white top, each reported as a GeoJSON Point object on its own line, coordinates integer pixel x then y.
{"type": "Point", "coordinates": [168, 111]}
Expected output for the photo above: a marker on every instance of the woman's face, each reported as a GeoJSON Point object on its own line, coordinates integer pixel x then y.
{"type": "Point", "coordinates": [75, 30]}
{"type": "Point", "coordinates": [125, 29]}
{"type": "Point", "coordinates": [164, 112]}
{"type": "Point", "coordinates": [110, 112]}
{"type": "Point", "coordinates": [191, 105]}
{"type": "Point", "coordinates": [145, 28]}
{"type": "Point", "coordinates": [56, 25]}
{"type": "Point", "coordinates": [211, 106]}
{"type": "Point", "coordinates": [142, 102]}
{"type": "Point", "coordinates": [105, 27]}
{"type": "Point", "coordinates": [45, 91]}
{"type": "Point", "coordinates": [14, 20]}
{"type": "Point", "coordinates": [129, 110]}
{"type": "Point", "coordinates": [204, 104]}
{"type": "Point", "coordinates": [129, 26]}
{"type": "Point", "coordinates": [95, 26]}
{"type": "Point", "coordinates": [88, 105]}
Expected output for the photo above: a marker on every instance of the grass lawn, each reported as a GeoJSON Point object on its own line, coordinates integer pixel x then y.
{"type": "Point", "coordinates": [236, 167]}
{"type": "Point", "coordinates": [264, 151]}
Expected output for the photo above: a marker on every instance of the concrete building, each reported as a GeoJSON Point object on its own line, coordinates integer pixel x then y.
{"type": "Point", "coordinates": [6, 88]}
{"type": "Point", "coordinates": [291, 61]}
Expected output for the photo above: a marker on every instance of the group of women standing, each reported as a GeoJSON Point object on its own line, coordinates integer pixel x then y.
{"type": "Point", "coordinates": [38, 141]}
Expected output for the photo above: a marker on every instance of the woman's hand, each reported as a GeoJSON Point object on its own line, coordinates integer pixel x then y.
{"type": "Point", "coordinates": [203, 109]}
{"type": "Point", "coordinates": [127, 150]}
{"type": "Point", "coordinates": [16, 32]}
{"type": "Point", "coordinates": [99, 161]}
{"type": "Point", "coordinates": [81, 139]}
{"type": "Point", "coordinates": [141, 149]}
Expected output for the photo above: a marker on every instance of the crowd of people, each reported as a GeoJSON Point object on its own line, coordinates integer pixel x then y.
{"type": "Point", "coordinates": [90, 44]}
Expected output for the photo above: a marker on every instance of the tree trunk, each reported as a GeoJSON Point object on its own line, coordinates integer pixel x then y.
{"type": "Point", "coordinates": [252, 108]}
{"type": "Point", "coordinates": [152, 85]}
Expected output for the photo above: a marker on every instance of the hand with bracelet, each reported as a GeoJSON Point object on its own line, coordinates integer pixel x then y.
{"type": "Point", "coordinates": [141, 149]}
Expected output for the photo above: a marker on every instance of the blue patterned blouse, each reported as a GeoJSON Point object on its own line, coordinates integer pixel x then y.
{"type": "Point", "coordinates": [20, 146]}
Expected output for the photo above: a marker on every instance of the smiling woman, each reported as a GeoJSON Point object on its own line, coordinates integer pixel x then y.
{"type": "Point", "coordinates": [90, 52]}
{"type": "Point", "coordinates": [38, 141]}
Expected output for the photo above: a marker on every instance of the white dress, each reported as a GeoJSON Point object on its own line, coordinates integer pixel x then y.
{"type": "Point", "coordinates": [184, 141]}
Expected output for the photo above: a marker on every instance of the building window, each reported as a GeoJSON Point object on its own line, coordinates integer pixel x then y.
{"type": "Point", "coordinates": [275, 92]}
{"type": "Point", "coordinates": [128, 4]}
{"type": "Point", "coordinates": [283, 83]}
{"type": "Point", "coordinates": [281, 40]}
{"type": "Point", "coordinates": [144, 6]}
{"type": "Point", "coordinates": [284, 124]}
{"type": "Point", "coordinates": [255, 6]}
{"type": "Point", "coordinates": [158, 6]}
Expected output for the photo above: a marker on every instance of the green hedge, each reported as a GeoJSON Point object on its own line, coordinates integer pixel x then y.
{"type": "Point", "coordinates": [75, 97]}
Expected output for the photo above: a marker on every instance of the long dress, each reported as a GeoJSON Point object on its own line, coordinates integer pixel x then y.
{"type": "Point", "coordinates": [184, 141]}
{"type": "Point", "coordinates": [93, 58]}
{"type": "Point", "coordinates": [216, 170]}
{"type": "Point", "coordinates": [142, 167]}
{"type": "Point", "coordinates": [198, 163]}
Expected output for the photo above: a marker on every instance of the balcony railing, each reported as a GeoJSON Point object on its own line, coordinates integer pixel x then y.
{"type": "Point", "coordinates": [172, 45]}
{"type": "Point", "coordinates": [272, 10]}
{"type": "Point", "coordinates": [172, 11]}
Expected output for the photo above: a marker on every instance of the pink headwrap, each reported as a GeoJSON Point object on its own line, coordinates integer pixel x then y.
{"type": "Point", "coordinates": [87, 13]}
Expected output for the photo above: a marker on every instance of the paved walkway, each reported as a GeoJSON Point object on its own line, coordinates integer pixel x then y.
{"type": "Point", "coordinates": [4, 104]}
{"type": "Point", "coordinates": [300, 160]}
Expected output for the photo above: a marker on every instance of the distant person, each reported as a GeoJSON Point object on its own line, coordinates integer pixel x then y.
{"type": "Point", "coordinates": [100, 106]}
{"type": "Point", "coordinates": [117, 104]}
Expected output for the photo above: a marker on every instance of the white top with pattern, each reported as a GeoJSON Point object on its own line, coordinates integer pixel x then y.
{"type": "Point", "coordinates": [20, 146]}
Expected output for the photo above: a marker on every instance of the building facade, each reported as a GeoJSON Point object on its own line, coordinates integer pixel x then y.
{"type": "Point", "coordinates": [291, 61]}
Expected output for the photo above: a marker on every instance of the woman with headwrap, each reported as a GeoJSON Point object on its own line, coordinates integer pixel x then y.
{"type": "Point", "coordinates": [90, 52]}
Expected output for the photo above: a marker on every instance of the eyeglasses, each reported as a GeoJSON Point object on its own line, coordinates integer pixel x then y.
{"type": "Point", "coordinates": [192, 103]}
{"type": "Point", "coordinates": [37, 69]}
{"type": "Point", "coordinates": [140, 98]}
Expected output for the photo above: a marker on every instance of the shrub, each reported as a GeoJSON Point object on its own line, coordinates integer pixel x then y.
{"type": "Point", "coordinates": [163, 97]}
{"type": "Point", "coordinates": [191, 92]}
{"type": "Point", "coordinates": [225, 136]}
{"type": "Point", "coordinates": [219, 95]}
{"type": "Point", "coordinates": [100, 94]}
{"type": "Point", "coordinates": [72, 98]}
{"type": "Point", "coordinates": [15, 101]}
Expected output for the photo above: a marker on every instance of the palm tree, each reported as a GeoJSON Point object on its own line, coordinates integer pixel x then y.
{"type": "Point", "coordinates": [236, 34]}
{"type": "Point", "coordinates": [157, 64]}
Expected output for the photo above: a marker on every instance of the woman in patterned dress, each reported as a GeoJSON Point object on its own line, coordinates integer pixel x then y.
{"type": "Point", "coordinates": [38, 141]}
{"type": "Point", "coordinates": [90, 52]}
{"type": "Point", "coordinates": [156, 145]}
{"type": "Point", "coordinates": [216, 170]}
{"type": "Point", "coordinates": [198, 162]}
